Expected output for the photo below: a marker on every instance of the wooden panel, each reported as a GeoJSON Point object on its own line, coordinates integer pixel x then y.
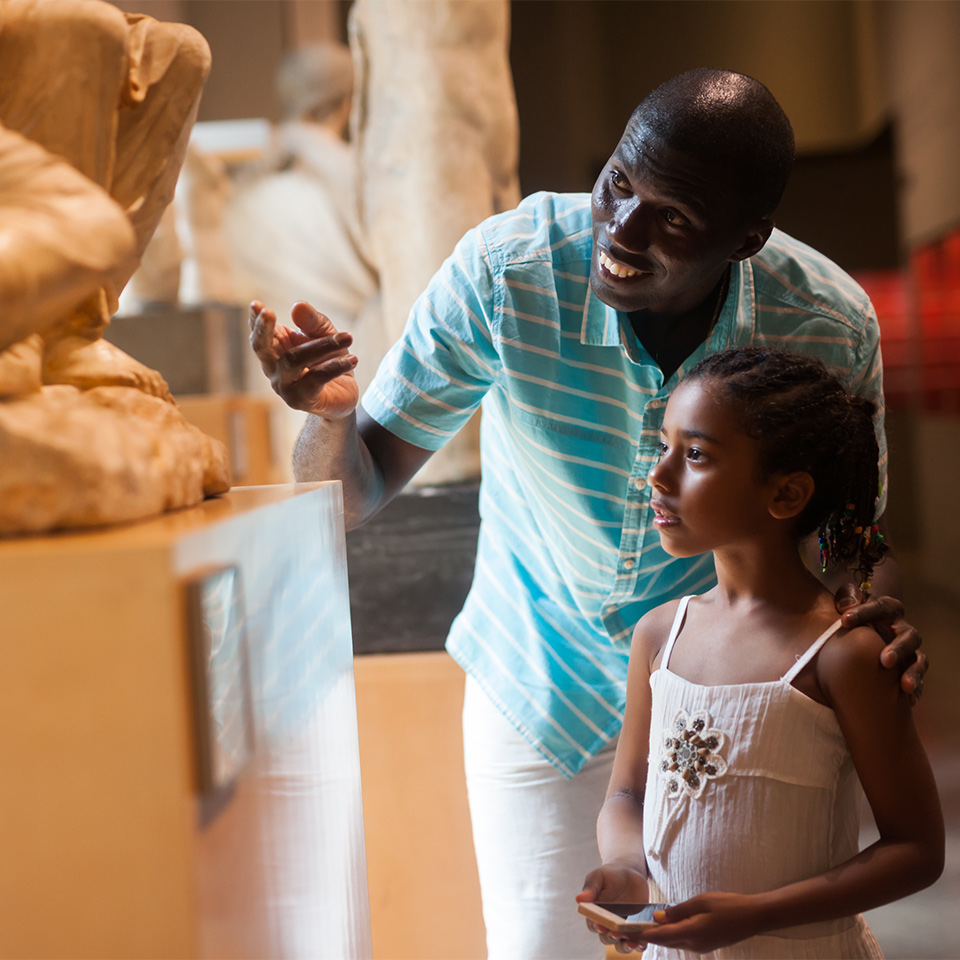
{"type": "Point", "coordinates": [416, 819]}
{"type": "Point", "coordinates": [245, 425]}
{"type": "Point", "coordinates": [96, 802]}
{"type": "Point", "coordinates": [108, 850]}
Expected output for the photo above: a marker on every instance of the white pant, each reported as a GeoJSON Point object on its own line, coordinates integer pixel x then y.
{"type": "Point", "coordinates": [535, 837]}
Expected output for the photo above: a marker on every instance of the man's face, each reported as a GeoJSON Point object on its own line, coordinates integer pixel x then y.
{"type": "Point", "coordinates": [664, 227]}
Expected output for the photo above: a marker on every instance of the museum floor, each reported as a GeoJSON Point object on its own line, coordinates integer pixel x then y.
{"type": "Point", "coordinates": [927, 924]}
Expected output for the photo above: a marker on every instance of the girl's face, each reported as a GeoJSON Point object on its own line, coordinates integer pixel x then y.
{"type": "Point", "coordinates": [707, 491]}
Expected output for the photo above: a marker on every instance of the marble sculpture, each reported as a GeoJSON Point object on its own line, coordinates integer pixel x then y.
{"type": "Point", "coordinates": [96, 108]}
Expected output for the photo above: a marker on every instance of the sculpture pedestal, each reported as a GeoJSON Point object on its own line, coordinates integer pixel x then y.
{"type": "Point", "coordinates": [109, 848]}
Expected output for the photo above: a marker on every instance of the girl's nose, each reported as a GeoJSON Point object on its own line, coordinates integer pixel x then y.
{"type": "Point", "coordinates": [658, 474]}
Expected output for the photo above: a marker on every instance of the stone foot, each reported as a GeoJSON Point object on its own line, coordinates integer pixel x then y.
{"type": "Point", "coordinates": [20, 367]}
{"type": "Point", "coordinates": [79, 362]}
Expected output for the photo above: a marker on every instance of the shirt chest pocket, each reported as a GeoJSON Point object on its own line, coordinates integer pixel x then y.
{"type": "Point", "coordinates": [561, 429]}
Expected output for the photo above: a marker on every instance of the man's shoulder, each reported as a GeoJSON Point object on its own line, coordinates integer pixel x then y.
{"type": "Point", "coordinates": [543, 226]}
{"type": "Point", "coordinates": [789, 271]}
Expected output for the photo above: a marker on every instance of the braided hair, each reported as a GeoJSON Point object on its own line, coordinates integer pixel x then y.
{"type": "Point", "coordinates": [803, 419]}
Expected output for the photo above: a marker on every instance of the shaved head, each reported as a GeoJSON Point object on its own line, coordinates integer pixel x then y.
{"type": "Point", "coordinates": [730, 122]}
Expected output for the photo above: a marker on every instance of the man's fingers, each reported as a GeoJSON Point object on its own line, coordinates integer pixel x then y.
{"type": "Point", "coordinates": [255, 309]}
{"type": "Point", "coordinates": [902, 646]}
{"type": "Point", "coordinates": [848, 596]}
{"type": "Point", "coordinates": [912, 680]}
{"type": "Point", "coordinates": [878, 610]}
{"type": "Point", "coordinates": [263, 323]}
{"type": "Point", "coordinates": [314, 353]}
{"type": "Point", "coordinates": [311, 321]}
{"type": "Point", "coordinates": [307, 385]}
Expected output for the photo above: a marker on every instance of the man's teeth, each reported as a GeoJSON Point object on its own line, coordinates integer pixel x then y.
{"type": "Point", "coordinates": [617, 269]}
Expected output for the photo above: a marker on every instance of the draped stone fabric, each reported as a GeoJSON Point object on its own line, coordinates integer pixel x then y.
{"type": "Point", "coordinates": [95, 113]}
{"type": "Point", "coordinates": [436, 130]}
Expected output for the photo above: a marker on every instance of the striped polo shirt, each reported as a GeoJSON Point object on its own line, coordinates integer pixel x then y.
{"type": "Point", "coordinates": [567, 558]}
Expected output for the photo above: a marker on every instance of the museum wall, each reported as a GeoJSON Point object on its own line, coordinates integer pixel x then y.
{"type": "Point", "coordinates": [922, 84]}
{"type": "Point", "coordinates": [864, 83]}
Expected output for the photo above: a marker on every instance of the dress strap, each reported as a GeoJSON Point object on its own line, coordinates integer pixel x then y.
{"type": "Point", "coordinates": [810, 652]}
{"type": "Point", "coordinates": [675, 629]}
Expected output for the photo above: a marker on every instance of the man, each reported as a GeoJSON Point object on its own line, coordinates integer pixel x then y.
{"type": "Point", "coordinates": [573, 320]}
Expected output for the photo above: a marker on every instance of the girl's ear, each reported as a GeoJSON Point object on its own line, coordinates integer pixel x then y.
{"type": "Point", "coordinates": [791, 493]}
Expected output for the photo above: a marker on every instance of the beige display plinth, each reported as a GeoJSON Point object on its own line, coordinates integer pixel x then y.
{"type": "Point", "coordinates": [107, 847]}
{"type": "Point", "coordinates": [419, 842]}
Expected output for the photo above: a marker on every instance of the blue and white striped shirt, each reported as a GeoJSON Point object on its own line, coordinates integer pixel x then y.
{"type": "Point", "coordinates": [568, 559]}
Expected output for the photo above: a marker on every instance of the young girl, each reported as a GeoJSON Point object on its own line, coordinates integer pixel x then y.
{"type": "Point", "coordinates": [750, 712]}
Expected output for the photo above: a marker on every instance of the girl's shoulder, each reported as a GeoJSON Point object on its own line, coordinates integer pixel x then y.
{"type": "Point", "coordinates": [851, 659]}
{"type": "Point", "coordinates": [652, 630]}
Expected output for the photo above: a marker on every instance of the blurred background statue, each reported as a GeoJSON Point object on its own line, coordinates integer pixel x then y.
{"type": "Point", "coordinates": [293, 228]}
{"type": "Point", "coordinates": [291, 224]}
{"type": "Point", "coordinates": [96, 109]}
{"type": "Point", "coordinates": [437, 139]}
{"type": "Point", "coordinates": [355, 227]}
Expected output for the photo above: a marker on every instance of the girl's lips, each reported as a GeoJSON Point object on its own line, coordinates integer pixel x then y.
{"type": "Point", "coordinates": [662, 518]}
{"type": "Point", "coordinates": [662, 522]}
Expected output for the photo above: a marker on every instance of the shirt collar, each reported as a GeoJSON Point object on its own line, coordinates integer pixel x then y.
{"type": "Point", "coordinates": [604, 326]}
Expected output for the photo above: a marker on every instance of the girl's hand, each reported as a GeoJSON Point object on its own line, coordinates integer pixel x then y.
{"type": "Point", "coordinates": [706, 922]}
{"type": "Point", "coordinates": [614, 883]}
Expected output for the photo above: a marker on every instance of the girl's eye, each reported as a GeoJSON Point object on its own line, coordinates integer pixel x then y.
{"type": "Point", "coordinates": [661, 449]}
{"type": "Point", "coordinates": [694, 454]}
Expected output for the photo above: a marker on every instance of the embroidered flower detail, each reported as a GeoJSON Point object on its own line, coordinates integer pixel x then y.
{"type": "Point", "coordinates": [690, 754]}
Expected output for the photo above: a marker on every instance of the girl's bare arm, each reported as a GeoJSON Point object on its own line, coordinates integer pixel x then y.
{"type": "Point", "coordinates": [877, 722]}
{"type": "Point", "coordinates": [622, 875]}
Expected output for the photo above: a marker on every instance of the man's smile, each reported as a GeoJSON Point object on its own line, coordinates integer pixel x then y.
{"type": "Point", "coordinates": [616, 269]}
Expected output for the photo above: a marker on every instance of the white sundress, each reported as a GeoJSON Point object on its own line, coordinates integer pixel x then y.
{"type": "Point", "coordinates": [775, 799]}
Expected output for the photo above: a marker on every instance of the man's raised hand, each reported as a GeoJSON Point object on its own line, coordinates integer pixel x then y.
{"type": "Point", "coordinates": [310, 366]}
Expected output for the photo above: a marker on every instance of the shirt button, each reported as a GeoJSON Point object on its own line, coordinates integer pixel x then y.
{"type": "Point", "coordinates": [655, 404]}
{"type": "Point", "coordinates": [629, 564]}
{"type": "Point", "coordinates": [640, 484]}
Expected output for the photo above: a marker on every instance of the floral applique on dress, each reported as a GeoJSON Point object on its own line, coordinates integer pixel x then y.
{"type": "Point", "coordinates": [689, 758]}
{"type": "Point", "coordinates": [690, 754]}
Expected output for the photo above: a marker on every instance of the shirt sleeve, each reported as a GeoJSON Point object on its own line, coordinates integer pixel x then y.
{"type": "Point", "coordinates": [434, 377]}
{"type": "Point", "coordinates": [866, 380]}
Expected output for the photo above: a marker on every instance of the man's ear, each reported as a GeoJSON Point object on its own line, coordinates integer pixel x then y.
{"type": "Point", "coordinates": [756, 234]}
{"type": "Point", "coordinates": [791, 493]}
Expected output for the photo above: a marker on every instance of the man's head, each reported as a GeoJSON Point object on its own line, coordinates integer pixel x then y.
{"type": "Point", "coordinates": [730, 122]}
{"type": "Point", "coordinates": [691, 186]}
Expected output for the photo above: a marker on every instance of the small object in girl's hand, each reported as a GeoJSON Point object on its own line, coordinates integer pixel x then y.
{"type": "Point", "coordinates": [623, 918]}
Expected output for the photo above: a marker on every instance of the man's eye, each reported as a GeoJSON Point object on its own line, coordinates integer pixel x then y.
{"type": "Point", "coordinates": [618, 180]}
{"type": "Point", "coordinates": [673, 218]}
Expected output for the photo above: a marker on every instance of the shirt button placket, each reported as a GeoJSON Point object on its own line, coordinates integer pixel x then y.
{"type": "Point", "coordinates": [647, 456]}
